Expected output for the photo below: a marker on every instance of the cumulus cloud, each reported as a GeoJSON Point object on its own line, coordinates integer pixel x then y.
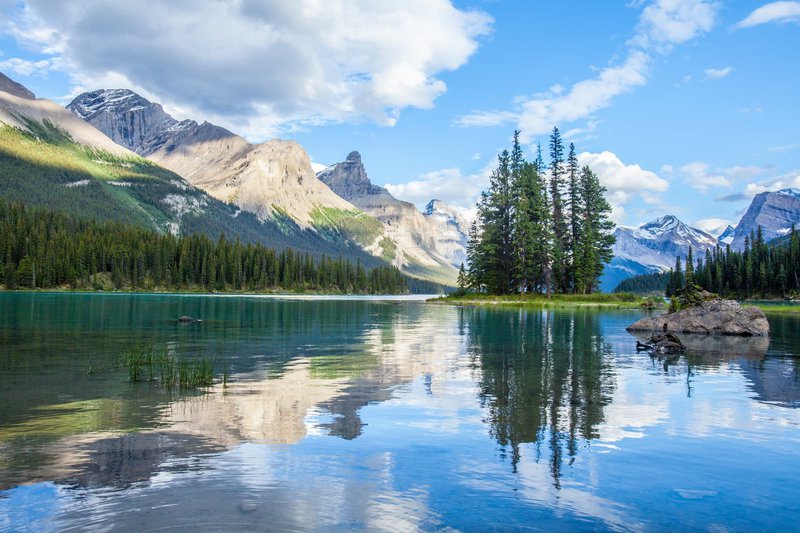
{"type": "Point", "coordinates": [785, 181]}
{"type": "Point", "coordinates": [27, 68]}
{"type": "Point", "coordinates": [662, 25]}
{"type": "Point", "coordinates": [779, 12]}
{"type": "Point", "coordinates": [623, 181]}
{"type": "Point", "coordinates": [282, 63]}
{"type": "Point", "coordinates": [700, 177]}
{"type": "Point", "coordinates": [717, 73]}
{"type": "Point", "coordinates": [450, 185]}
{"type": "Point", "coordinates": [666, 23]}
{"type": "Point", "coordinates": [712, 226]}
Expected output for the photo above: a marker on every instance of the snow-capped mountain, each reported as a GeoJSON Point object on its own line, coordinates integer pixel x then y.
{"type": "Point", "coordinates": [652, 247]}
{"type": "Point", "coordinates": [774, 211]}
{"type": "Point", "coordinates": [452, 230]}
{"type": "Point", "coordinates": [726, 237]}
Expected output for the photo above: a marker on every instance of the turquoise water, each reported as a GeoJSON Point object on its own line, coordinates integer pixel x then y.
{"type": "Point", "coordinates": [388, 415]}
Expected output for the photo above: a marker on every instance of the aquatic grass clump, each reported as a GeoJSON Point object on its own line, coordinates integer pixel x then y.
{"type": "Point", "coordinates": [158, 365]}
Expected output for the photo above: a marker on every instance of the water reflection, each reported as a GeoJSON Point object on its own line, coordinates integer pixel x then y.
{"type": "Point", "coordinates": [545, 378]}
{"type": "Point", "coordinates": [366, 415]}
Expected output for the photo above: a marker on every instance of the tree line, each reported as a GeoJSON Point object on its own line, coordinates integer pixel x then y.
{"type": "Point", "coordinates": [540, 229]}
{"type": "Point", "coordinates": [759, 270]}
{"type": "Point", "coordinates": [48, 249]}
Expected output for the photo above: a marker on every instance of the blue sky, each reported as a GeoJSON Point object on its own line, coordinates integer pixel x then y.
{"type": "Point", "coordinates": [682, 106]}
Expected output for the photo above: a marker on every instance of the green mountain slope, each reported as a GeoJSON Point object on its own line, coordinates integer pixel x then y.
{"type": "Point", "coordinates": [40, 165]}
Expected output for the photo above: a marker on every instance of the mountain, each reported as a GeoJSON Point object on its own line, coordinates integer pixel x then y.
{"type": "Point", "coordinates": [726, 237]}
{"type": "Point", "coordinates": [774, 211]}
{"type": "Point", "coordinates": [7, 85]}
{"type": "Point", "coordinates": [270, 179]}
{"type": "Point", "coordinates": [652, 247]}
{"type": "Point", "coordinates": [429, 242]}
{"type": "Point", "coordinates": [452, 231]}
{"type": "Point", "coordinates": [51, 158]}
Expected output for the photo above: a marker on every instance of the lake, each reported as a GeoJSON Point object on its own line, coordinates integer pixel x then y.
{"type": "Point", "coordinates": [369, 414]}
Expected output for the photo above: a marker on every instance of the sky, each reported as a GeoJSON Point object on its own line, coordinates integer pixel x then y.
{"type": "Point", "coordinates": [684, 107]}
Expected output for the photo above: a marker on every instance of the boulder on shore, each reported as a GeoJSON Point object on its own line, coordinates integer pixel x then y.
{"type": "Point", "coordinates": [712, 317]}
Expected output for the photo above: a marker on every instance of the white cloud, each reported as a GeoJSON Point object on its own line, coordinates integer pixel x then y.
{"type": "Point", "coordinates": [712, 226]}
{"type": "Point", "coordinates": [27, 68]}
{"type": "Point", "coordinates": [700, 177]}
{"type": "Point", "coordinates": [785, 181]}
{"type": "Point", "coordinates": [717, 73]}
{"type": "Point", "coordinates": [665, 23]}
{"type": "Point", "coordinates": [259, 65]}
{"type": "Point", "coordinates": [780, 12]}
{"type": "Point", "coordinates": [623, 181]}
{"type": "Point", "coordinates": [662, 24]}
{"type": "Point", "coordinates": [449, 185]}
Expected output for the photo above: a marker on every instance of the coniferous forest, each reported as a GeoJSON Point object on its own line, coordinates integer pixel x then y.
{"type": "Point", "coordinates": [540, 229]}
{"type": "Point", "coordinates": [760, 270]}
{"type": "Point", "coordinates": [46, 249]}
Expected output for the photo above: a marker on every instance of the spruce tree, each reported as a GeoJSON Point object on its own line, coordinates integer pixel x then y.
{"type": "Point", "coordinates": [559, 221]}
{"type": "Point", "coordinates": [575, 214]}
{"type": "Point", "coordinates": [596, 238]}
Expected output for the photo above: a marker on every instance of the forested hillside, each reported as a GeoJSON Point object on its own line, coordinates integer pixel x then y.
{"type": "Point", "coordinates": [46, 249]}
{"type": "Point", "coordinates": [44, 167]}
{"type": "Point", "coordinates": [760, 270]}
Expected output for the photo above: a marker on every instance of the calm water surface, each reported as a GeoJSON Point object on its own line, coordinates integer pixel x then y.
{"type": "Point", "coordinates": [388, 415]}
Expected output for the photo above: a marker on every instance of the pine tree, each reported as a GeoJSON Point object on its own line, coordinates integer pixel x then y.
{"type": "Point", "coordinates": [575, 214]}
{"type": "Point", "coordinates": [462, 279]}
{"type": "Point", "coordinates": [559, 222]}
{"type": "Point", "coordinates": [594, 248]}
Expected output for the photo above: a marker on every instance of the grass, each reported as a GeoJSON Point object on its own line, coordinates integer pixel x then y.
{"type": "Point", "coordinates": [356, 226]}
{"type": "Point", "coordinates": [768, 308]}
{"type": "Point", "coordinates": [156, 364]}
{"type": "Point", "coordinates": [619, 300]}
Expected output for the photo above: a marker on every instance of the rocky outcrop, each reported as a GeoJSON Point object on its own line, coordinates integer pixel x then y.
{"type": "Point", "coordinates": [128, 119]}
{"type": "Point", "coordinates": [775, 212]}
{"type": "Point", "coordinates": [7, 85]}
{"type": "Point", "coordinates": [712, 317]}
{"type": "Point", "coordinates": [422, 240]}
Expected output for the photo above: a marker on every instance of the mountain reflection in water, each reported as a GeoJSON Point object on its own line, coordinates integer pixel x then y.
{"type": "Point", "coordinates": [387, 415]}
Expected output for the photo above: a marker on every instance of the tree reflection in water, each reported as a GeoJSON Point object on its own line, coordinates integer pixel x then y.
{"type": "Point", "coordinates": [544, 377]}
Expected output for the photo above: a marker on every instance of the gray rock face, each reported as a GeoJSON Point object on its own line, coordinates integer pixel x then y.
{"type": "Point", "coordinates": [421, 238]}
{"type": "Point", "coordinates": [712, 317]}
{"type": "Point", "coordinates": [10, 86]}
{"type": "Point", "coordinates": [775, 212]}
{"type": "Point", "coordinates": [349, 179]}
{"type": "Point", "coordinates": [726, 237]}
{"type": "Point", "coordinates": [138, 124]}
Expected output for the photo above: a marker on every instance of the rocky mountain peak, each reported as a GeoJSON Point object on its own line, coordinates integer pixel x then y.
{"type": "Point", "coordinates": [774, 211]}
{"type": "Point", "coordinates": [349, 178]}
{"type": "Point", "coordinates": [726, 237]}
{"type": "Point", "coordinates": [12, 87]}
{"type": "Point", "coordinates": [128, 118]}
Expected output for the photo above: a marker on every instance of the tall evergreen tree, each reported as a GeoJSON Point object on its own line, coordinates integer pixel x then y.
{"type": "Point", "coordinates": [559, 220]}
{"type": "Point", "coordinates": [575, 214]}
{"type": "Point", "coordinates": [595, 234]}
